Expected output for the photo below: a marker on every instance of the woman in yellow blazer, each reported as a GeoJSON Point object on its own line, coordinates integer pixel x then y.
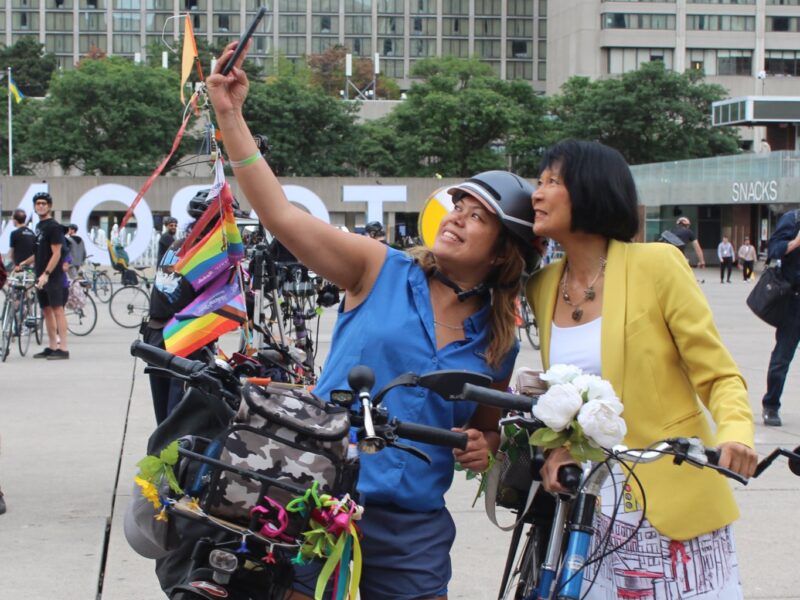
{"type": "Point", "coordinates": [634, 314]}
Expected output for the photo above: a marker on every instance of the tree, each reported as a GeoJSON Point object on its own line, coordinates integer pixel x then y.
{"type": "Point", "coordinates": [108, 117]}
{"type": "Point", "coordinates": [31, 66]}
{"type": "Point", "coordinates": [649, 115]}
{"type": "Point", "coordinates": [311, 134]}
{"type": "Point", "coordinates": [458, 120]}
{"type": "Point", "coordinates": [328, 72]}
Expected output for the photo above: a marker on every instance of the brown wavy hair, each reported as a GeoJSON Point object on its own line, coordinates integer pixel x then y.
{"type": "Point", "coordinates": [504, 281]}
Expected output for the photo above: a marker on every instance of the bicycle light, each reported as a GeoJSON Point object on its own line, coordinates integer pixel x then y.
{"type": "Point", "coordinates": [224, 564]}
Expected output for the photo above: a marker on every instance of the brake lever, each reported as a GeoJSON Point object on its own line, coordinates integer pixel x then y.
{"type": "Point", "coordinates": [411, 450]}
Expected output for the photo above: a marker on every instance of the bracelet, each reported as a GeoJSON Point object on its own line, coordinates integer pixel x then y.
{"type": "Point", "coordinates": [238, 164]}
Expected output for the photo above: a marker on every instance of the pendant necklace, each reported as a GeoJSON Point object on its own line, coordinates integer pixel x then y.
{"type": "Point", "coordinates": [588, 293]}
{"type": "Point", "coordinates": [446, 326]}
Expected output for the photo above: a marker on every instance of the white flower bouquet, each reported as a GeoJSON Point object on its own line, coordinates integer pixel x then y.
{"type": "Point", "coordinates": [581, 412]}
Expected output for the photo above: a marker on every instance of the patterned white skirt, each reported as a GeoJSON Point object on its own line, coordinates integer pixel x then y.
{"type": "Point", "coordinates": [651, 566]}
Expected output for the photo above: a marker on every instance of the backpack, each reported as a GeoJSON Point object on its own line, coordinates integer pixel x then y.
{"type": "Point", "coordinates": [289, 439]}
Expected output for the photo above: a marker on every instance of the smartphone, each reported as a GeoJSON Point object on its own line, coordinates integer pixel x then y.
{"type": "Point", "coordinates": [244, 39]}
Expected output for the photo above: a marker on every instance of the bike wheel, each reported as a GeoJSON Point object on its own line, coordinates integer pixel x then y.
{"type": "Point", "coordinates": [128, 306]}
{"type": "Point", "coordinates": [24, 329]}
{"type": "Point", "coordinates": [81, 319]}
{"type": "Point", "coordinates": [103, 287]}
{"type": "Point", "coordinates": [8, 329]}
{"type": "Point", "coordinates": [529, 324]}
{"type": "Point", "coordinates": [524, 576]}
{"type": "Point", "coordinates": [37, 318]}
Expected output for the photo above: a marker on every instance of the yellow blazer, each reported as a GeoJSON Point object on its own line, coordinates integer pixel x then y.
{"type": "Point", "coordinates": [662, 353]}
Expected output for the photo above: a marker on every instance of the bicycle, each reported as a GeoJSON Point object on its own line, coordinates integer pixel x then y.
{"type": "Point", "coordinates": [233, 559]}
{"type": "Point", "coordinates": [80, 310]}
{"type": "Point", "coordinates": [15, 320]}
{"type": "Point", "coordinates": [130, 304]}
{"type": "Point", "coordinates": [550, 562]}
{"type": "Point", "coordinates": [526, 321]}
{"type": "Point", "coordinates": [100, 283]}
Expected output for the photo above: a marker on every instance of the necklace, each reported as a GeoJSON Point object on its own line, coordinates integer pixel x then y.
{"type": "Point", "coordinates": [450, 327]}
{"type": "Point", "coordinates": [588, 293]}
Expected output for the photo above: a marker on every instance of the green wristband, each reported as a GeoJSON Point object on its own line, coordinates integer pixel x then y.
{"type": "Point", "coordinates": [238, 164]}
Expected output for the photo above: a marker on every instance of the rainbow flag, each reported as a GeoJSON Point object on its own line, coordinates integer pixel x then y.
{"type": "Point", "coordinates": [216, 311]}
{"type": "Point", "coordinates": [220, 249]}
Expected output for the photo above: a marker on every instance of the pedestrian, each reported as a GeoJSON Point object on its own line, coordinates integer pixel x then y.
{"type": "Point", "coordinates": [683, 229]}
{"type": "Point", "coordinates": [783, 246]}
{"type": "Point", "coordinates": [48, 261]}
{"type": "Point", "coordinates": [747, 256]}
{"type": "Point", "coordinates": [634, 314]}
{"type": "Point", "coordinates": [451, 306]}
{"type": "Point", "coordinates": [22, 242]}
{"type": "Point", "coordinates": [77, 250]}
{"type": "Point", "coordinates": [167, 238]}
{"type": "Point", "coordinates": [725, 255]}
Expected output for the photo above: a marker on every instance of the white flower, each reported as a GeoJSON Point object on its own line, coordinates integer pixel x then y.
{"type": "Point", "coordinates": [558, 406]}
{"type": "Point", "coordinates": [560, 374]}
{"type": "Point", "coordinates": [602, 423]}
{"type": "Point", "coordinates": [595, 388]}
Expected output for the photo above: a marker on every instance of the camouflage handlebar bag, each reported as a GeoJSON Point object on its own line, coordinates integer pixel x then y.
{"type": "Point", "coordinates": [281, 441]}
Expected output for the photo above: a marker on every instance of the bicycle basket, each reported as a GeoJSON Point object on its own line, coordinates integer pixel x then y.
{"type": "Point", "coordinates": [516, 477]}
{"type": "Point", "coordinates": [291, 437]}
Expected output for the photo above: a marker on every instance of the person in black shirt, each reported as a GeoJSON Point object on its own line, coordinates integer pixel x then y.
{"type": "Point", "coordinates": [48, 266]}
{"type": "Point", "coordinates": [684, 232]}
{"type": "Point", "coordinates": [167, 238]}
{"type": "Point", "coordinates": [22, 241]}
{"type": "Point", "coordinates": [783, 245]}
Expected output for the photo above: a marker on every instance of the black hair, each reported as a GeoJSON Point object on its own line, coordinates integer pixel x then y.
{"type": "Point", "coordinates": [72, 226]}
{"type": "Point", "coordinates": [600, 185]}
{"type": "Point", "coordinates": [20, 216]}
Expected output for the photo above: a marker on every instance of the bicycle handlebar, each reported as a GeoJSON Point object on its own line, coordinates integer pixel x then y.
{"type": "Point", "coordinates": [498, 399]}
{"type": "Point", "coordinates": [162, 359]}
{"type": "Point", "coordinates": [430, 435]}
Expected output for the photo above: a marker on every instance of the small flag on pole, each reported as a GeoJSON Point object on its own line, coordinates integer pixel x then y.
{"type": "Point", "coordinates": [189, 55]}
{"type": "Point", "coordinates": [14, 90]}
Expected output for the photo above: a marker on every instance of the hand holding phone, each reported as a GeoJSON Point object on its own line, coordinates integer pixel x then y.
{"type": "Point", "coordinates": [251, 29]}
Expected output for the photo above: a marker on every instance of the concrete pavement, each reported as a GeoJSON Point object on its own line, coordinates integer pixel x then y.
{"type": "Point", "coordinates": [73, 430]}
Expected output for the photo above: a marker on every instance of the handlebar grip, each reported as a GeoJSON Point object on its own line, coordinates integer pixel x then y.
{"type": "Point", "coordinates": [569, 476]}
{"type": "Point", "coordinates": [431, 435]}
{"type": "Point", "coordinates": [713, 454]}
{"type": "Point", "coordinates": [157, 357]}
{"type": "Point", "coordinates": [490, 397]}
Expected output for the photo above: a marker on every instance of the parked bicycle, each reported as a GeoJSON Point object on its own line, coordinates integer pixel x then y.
{"type": "Point", "coordinates": [80, 310]}
{"type": "Point", "coordinates": [553, 541]}
{"type": "Point", "coordinates": [526, 322]}
{"type": "Point", "coordinates": [20, 317]}
{"type": "Point", "coordinates": [130, 304]}
{"type": "Point", "coordinates": [302, 485]}
{"type": "Point", "coordinates": [100, 283]}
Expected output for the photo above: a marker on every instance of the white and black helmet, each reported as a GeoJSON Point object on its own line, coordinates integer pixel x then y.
{"type": "Point", "coordinates": [506, 195]}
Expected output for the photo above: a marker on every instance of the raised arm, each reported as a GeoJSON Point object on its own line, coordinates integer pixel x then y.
{"type": "Point", "coordinates": [350, 261]}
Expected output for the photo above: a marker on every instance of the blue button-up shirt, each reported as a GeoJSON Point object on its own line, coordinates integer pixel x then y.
{"type": "Point", "coordinates": [392, 332]}
{"type": "Point", "coordinates": [785, 232]}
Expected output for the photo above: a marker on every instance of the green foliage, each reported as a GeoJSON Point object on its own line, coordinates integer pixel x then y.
{"type": "Point", "coordinates": [31, 66]}
{"type": "Point", "coordinates": [328, 72]}
{"type": "Point", "coordinates": [311, 133]}
{"type": "Point", "coordinates": [649, 115]}
{"type": "Point", "coordinates": [108, 117]}
{"type": "Point", "coordinates": [154, 468]}
{"type": "Point", "coordinates": [459, 120]}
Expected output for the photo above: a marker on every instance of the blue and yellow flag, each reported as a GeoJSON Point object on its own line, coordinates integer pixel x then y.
{"type": "Point", "coordinates": [14, 90]}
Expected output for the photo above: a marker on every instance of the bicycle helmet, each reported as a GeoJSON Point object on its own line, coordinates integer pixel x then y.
{"type": "Point", "coordinates": [504, 194]}
{"type": "Point", "coordinates": [43, 196]}
{"type": "Point", "coordinates": [373, 228]}
{"type": "Point", "coordinates": [200, 202]}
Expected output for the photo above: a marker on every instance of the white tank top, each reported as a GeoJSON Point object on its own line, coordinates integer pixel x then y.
{"type": "Point", "coordinates": [578, 345]}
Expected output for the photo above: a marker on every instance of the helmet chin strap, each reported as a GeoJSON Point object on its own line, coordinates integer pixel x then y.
{"type": "Point", "coordinates": [479, 290]}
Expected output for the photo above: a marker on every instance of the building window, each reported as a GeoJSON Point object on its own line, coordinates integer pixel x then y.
{"type": "Point", "coordinates": [421, 26]}
{"type": "Point", "coordinates": [455, 7]}
{"type": "Point", "coordinates": [519, 49]}
{"type": "Point", "coordinates": [223, 23]}
{"type": "Point", "coordinates": [734, 62]}
{"type": "Point", "coordinates": [357, 25]}
{"type": "Point", "coordinates": [783, 24]}
{"type": "Point", "coordinates": [487, 28]}
{"type": "Point", "coordinates": [455, 48]}
{"type": "Point", "coordinates": [637, 21]}
{"type": "Point", "coordinates": [623, 60]}
{"type": "Point", "coordinates": [391, 46]}
{"type": "Point", "coordinates": [519, 70]}
{"type": "Point", "coordinates": [422, 48]}
{"type": "Point", "coordinates": [487, 48]}
{"type": "Point", "coordinates": [783, 2]}
{"type": "Point", "coordinates": [487, 7]}
{"type": "Point", "coordinates": [519, 28]}
{"type": "Point", "coordinates": [782, 62]}
{"type": "Point", "coordinates": [292, 24]}
{"type": "Point", "coordinates": [359, 46]}
{"type": "Point", "coordinates": [721, 23]}
{"type": "Point", "coordinates": [391, 6]}
{"type": "Point", "coordinates": [423, 7]}
{"type": "Point", "coordinates": [390, 25]}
